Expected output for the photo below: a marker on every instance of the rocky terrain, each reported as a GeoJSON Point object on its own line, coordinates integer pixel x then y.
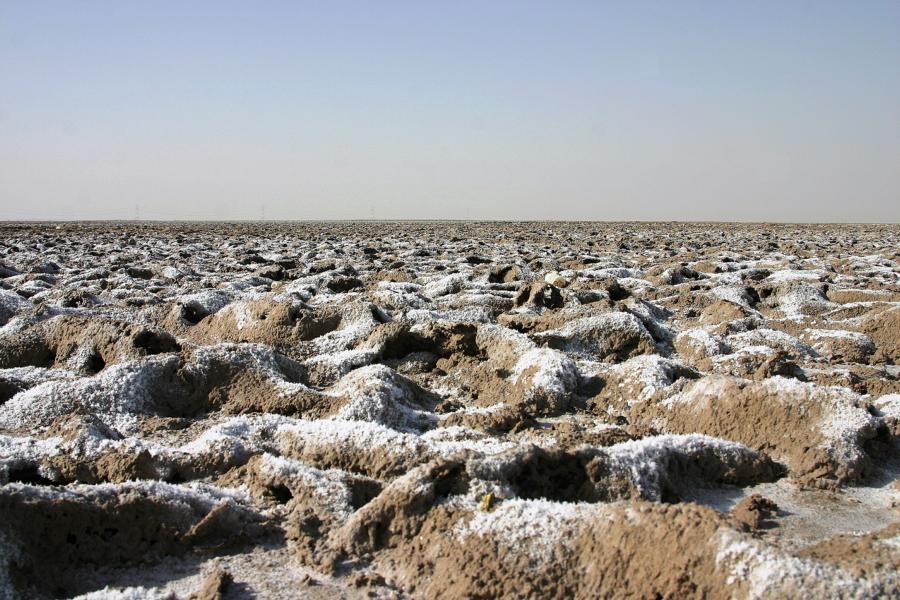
{"type": "Point", "coordinates": [484, 410]}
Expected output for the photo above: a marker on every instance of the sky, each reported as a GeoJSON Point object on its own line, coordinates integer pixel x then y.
{"type": "Point", "coordinates": [750, 111]}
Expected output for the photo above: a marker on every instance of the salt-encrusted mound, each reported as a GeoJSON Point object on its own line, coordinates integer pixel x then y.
{"type": "Point", "coordinates": [357, 321]}
{"type": "Point", "coordinates": [83, 449]}
{"type": "Point", "coordinates": [397, 339]}
{"type": "Point", "coordinates": [563, 549]}
{"type": "Point", "coordinates": [612, 336]}
{"type": "Point", "coordinates": [444, 285]}
{"type": "Point", "coordinates": [501, 366]}
{"type": "Point", "coordinates": [820, 433]}
{"type": "Point", "coordinates": [84, 345]}
{"type": "Point", "coordinates": [539, 295]}
{"type": "Point", "coordinates": [852, 566]}
{"type": "Point", "coordinates": [325, 369]}
{"type": "Point", "coordinates": [118, 393]}
{"type": "Point", "coordinates": [543, 380]}
{"type": "Point", "coordinates": [697, 344]}
{"type": "Point", "coordinates": [840, 346]}
{"type": "Point", "coordinates": [654, 468]}
{"type": "Point", "coordinates": [266, 321]}
{"type": "Point", "coordinates": [11, 304]}
{"type": "Point", "coordinates": [859, 555]}
{"type": "Point", "coordinates": [641, 379]}
{"type": "Point", "coordinates": [664, 467]}
{"type": "Point", "coordinates": [797, 301]}
{"type": "Point", "coordinates": [380, 395]}
{"type": "Point", "coordinates": [358, 447]}
{"type": "Point", "coordinates": [769, 338]}
{"type": "Point", "coordinates": [249, 378]}
{"type": "Point", "coordinates": [311, 500]}
{"type": "Point", "coordinates": [888, 408]}
{"type": "Point", "coordinates": [753, 362]}
{"type": "Point", "coordinates": [233, 377]}
{"type": "Point", "coordinates": [18, 379]}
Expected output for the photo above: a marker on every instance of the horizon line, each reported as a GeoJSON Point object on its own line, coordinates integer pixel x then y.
{"type": "Point", "coordinates": [6, 222]}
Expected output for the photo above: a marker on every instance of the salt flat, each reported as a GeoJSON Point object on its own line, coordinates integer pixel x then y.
{"type": "Point", "coordinates": [449, 409]}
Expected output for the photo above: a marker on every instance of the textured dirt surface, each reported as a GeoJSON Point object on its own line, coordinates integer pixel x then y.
{"type": "Point", "coordinates": [485, 410]}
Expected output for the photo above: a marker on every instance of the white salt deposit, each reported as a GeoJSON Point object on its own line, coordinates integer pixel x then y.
{"type": "Point", "coordinates": [777, 340]}
{"type": "Point", "coordinates": [327, 488]}
{"type": "Point", "coordinates": [889, 406]}
{"type": "Point", "coordinates": [378, 394]}
{"type": "Point", "coordinates": [768, 573]}
{"type": "Point", "coordinates": [702, 342]}
{"type": "Point", "coordinates": [117, 395]}
{"type": "Point", "coordinates": [359, 435]}
{"type": "Point", "coordinates": [550, 371]}
{"type": "Point", "coordinates": [530, 526]}
{"type": "Point", "coordinates": [647, 461]}
{"type": "Point", "coordinates": [449, 284]}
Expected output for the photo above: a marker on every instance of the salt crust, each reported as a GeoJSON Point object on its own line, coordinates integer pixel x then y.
{"type": "Point", "coordinates": [769, 570]}
{"type": "Point", "coordinates": [532, 526]}
{"type": "Point", "coordinates": [649, 372]}
{"type": "Point", "coordinates": [772, 338]}
{"type": "Point", "coordinates": [378, 394]}
{"type": "Point", "coordinates": [118, 393]}
{"type": "Point", "coordinates": [553, 371]}
{"type": "Point", "coordinates": [327, 487]}
{"type": "Point", "coordinates": [647, 460]}
{"type": "Point", "coordinates": [768, 573]}
{"type": "Point", "coordinates": [706, 343]}
{"type": "Point", "coordinates": [888, 406]}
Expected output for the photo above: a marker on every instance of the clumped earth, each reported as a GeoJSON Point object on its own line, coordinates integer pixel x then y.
{"type": "Point", "coordinates": [483, 410]}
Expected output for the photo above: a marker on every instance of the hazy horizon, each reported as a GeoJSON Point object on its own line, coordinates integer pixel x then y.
{"type": "Point", "coordinates": [736, 222]}
{"type": "Point", "coordinates": [699, 111]}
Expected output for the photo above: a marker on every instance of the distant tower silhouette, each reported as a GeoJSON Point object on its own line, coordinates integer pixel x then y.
{"type": "Point", "coordinates": [137, 212]}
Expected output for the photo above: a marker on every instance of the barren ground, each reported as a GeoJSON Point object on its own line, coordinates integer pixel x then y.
{"type": "Point", "coordinates": [413, 409]}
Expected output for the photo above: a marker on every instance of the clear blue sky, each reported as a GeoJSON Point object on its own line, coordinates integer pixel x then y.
{"type": "Point", "coordinates": [512, 110]}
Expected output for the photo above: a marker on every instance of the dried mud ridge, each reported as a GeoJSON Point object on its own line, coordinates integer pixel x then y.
{"type": "Point", "coordinates": [449, 410]}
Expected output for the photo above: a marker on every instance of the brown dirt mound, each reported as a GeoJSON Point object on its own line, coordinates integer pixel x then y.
{"type": "Point", "coordinates": [540, 295]}
{"type": "Point", "coordinates": [364, 457]}
{"type": "Point", "coordinates": [754, 511]}
{"type": "Point", "coordinates": [215, 585]}
{"type": "Point", "coordinates": [613, 554]}
{"type": "Point", "coordinates": [612, 337]}
{"type": "Point", "coordinates": [723, 311]}
{"type": "Point", "coordinates": [884, 329]}
{"type": "Point", "coordinates": [58, 531]}
{"type": "Point", "coordinates": [794, 422]}
{"type": "Point", "coordinates": [109, 467]}
{"type": "Point", "coordinates": [864, 556]}
{"type": "Point", "coordinates": [84, 344]}
{"type": "Point", "coordinates": [507, 418]}
{"type": "Point", "coordinates": [279, 324]}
